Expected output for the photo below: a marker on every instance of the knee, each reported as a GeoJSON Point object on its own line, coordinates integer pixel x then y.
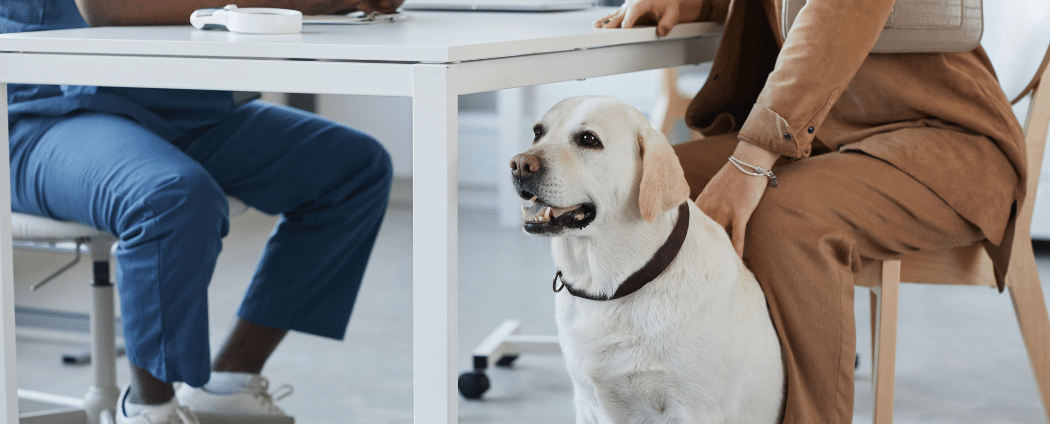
{"type": "Point", "coordinates": [380, 165]}
{"type": "Point", "coordinates": [374, 171]}
{"type": "Point", "coordinates": [184, 201]}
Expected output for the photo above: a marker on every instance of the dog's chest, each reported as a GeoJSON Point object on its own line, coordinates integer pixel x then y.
{"type": "Point", "coordinates": [629, 331]}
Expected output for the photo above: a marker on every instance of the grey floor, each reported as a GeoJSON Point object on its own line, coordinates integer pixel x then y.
{"type": "Point", "coordinates": [960, 358]}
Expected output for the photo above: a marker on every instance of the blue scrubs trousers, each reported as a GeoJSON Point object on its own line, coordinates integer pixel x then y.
{"type": "Point", "coordinates": [165, 201]}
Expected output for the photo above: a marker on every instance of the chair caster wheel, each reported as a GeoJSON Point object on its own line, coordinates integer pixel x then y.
{"type": "Point", "coordinates": [473, 384]}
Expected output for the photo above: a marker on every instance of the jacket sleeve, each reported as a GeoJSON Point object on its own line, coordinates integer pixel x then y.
{"type": "Point", "coordinates": [823, 51]}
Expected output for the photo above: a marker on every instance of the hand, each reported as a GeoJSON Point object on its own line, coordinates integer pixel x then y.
{"type": "Point", "coordinates": [732, 196]}
{"type": "Point", "coordinates": [381, 6]}
{"type": "Point", "coordinates": [664, 13]}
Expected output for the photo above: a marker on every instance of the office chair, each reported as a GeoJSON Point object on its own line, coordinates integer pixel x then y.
{"type": "Point", "coordinates": [97, 405]}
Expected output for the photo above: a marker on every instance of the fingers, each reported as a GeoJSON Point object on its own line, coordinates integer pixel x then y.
{"type": "Point", "coordinates": [631, 15]}
{"type": "Point", "coordinates": [643, 12]}
{"type": "Point", "coordinates": [730, 198]}
{"type": "Point", "coordinates": [734, 225]}
{"type": "Point", "coordinates": [611, 21]}
{"type": "Point", "coordinates": [667, 22]}
{"type": "Point", "coordinates": [739, 229]}
{"type": "Point", "coordinates": [601, 21]}
{"type": "Point", "coordinates": [379, 6]}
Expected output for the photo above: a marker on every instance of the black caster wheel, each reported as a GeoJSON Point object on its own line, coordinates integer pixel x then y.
{"type": "Point", "coordinates": [506, 361]}
{"type": "Point", "coordinates": [473, 384]}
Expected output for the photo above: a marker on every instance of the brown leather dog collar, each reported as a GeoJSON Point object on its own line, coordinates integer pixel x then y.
{"type": "Point", "coordinates": [661, 259]}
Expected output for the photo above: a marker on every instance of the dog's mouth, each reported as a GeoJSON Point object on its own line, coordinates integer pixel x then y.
{"type": "Point", "coordinates": [545, 219]}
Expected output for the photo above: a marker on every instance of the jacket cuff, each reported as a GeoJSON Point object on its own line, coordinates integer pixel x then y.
{"type": "Point", "coordinates": [767, 129]}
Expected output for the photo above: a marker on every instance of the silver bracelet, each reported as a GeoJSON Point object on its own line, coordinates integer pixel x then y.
{"type": "Point", "coordinates": [758, 171]}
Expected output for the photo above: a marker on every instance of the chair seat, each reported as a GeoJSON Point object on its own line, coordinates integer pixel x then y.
{"type": "Point", "coordinates": [37, 228]}
{"type": "Point", "coordinates": [965, 265]}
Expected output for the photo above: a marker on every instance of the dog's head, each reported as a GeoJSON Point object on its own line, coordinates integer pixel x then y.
{"type": "Point", "coordinates": [594, 160]}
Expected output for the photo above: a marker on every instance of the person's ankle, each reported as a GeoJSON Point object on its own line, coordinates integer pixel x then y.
{"type": "Point", "coordinates": [151, 397]}
{"type": "Point", "coordinates": [145, 389]}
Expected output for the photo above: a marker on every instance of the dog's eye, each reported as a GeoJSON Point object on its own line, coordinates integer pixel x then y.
{"type": "Point", "coordinates": [588, 139]}
{"type": "Point", "coordinates": [538, 130]}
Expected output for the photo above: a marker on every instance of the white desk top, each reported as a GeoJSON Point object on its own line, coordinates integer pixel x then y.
{"type": "Point", "coordinates": [435, 37]}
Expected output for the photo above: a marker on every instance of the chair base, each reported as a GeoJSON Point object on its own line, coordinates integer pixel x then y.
{"type": "Point", "coordinates": [501, 348]}
{"type": "Point", "coordinates": [44, 408]}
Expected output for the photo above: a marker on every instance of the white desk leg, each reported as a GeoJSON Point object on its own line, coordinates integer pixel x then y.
{"type": "Point", "coordinates": [8, 373]}
{"type": "Point", "coordinates": [514, 137]}
{"type": "Point", "coordinates": [434, 244]}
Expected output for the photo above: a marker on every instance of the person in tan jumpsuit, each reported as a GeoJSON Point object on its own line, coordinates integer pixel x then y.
{"type": "Point", "coordinates": [874, 155]}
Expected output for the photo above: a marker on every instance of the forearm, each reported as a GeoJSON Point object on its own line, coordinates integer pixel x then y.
{"type": "Point", "coordinates": [827, 45]}
{"type": "Point", "coordinates": [177, 12]}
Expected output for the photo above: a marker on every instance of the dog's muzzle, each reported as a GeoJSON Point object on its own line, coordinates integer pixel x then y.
{"type": "Point", "coordinates": [542, 218]}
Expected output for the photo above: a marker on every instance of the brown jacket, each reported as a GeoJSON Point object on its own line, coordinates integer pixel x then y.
{"type": "Point", "coordinates": [820, 90]}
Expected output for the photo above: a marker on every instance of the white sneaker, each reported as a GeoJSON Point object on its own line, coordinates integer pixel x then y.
{"type": "Point", "coordinates": [166, 413]}
{"type": "Point", "coordinates": [233, 394]}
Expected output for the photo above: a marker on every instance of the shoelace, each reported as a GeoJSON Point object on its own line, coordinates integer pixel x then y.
{"type": "Point", "coordinates": [260, 386]}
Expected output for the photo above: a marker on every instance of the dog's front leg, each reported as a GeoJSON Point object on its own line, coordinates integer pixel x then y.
{"type": "Point", "coordinates": [588, 410]}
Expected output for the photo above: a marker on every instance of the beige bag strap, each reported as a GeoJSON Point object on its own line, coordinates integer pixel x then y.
{"type": "Point", "coordinates": [1035, 80]}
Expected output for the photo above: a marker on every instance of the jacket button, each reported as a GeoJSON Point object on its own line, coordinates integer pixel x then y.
{"type": "Point", "coordinates": [811, 130]}
{"type": "Point", "coordinates": [787, 136]}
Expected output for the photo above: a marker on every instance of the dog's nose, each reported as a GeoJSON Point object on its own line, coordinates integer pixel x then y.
{"type": "Point", "coordinates": [523, 165]}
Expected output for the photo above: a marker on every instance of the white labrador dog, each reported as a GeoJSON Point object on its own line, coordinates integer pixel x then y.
{"type": "Point", "coordinates": [695, 344]}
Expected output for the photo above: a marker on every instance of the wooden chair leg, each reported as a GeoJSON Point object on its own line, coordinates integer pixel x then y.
{"type": "Point", "coordinates": [874, 298]}
{"type": "Point", "coordinates": [667, 110]}
{"type": "Point", "coordinates": [886, 340]}
{"type": "Point", "coordinates": [1027, 296]}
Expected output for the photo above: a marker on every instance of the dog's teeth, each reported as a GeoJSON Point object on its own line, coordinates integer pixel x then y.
{"type": "Point", "coordinates": [524, 212]}
{"type": "Point", "coordinates": [533, 199]}
{"type": "Point", "coordinates": [547, 213]}
{"type": "Point", "coordinates": [579, 216]}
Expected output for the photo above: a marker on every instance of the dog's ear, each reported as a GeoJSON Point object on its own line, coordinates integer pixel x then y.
{"type": "Point", "coordinates": [663, 183]}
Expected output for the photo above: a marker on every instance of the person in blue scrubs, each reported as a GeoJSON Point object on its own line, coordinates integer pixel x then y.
{"type": "Point", "coordinates": [154, 167]}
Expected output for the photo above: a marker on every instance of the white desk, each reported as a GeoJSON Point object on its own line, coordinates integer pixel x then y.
{"type": "Point", "coordinates": [432, 57]}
